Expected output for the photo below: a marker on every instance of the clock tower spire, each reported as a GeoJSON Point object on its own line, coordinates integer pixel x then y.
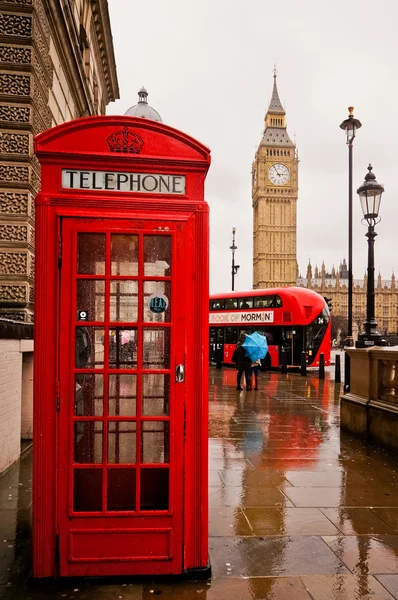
{"type": "Point", "coordinates": [274, 196]}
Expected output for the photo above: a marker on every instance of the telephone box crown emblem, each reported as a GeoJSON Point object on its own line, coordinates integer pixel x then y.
{"type": "Point", "coordinates": [125, 141]}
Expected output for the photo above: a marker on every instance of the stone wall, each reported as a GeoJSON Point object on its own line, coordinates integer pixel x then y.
{"type": "Point", "coordinates": [370, 408]}
{"type": "Point", "coordinates": [13, 355]}
{"type": "Point", "coordinates": [16, 389]}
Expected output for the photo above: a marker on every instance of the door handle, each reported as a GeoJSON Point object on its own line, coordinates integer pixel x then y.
{"type": "Point", "coordinates": [180, 373]}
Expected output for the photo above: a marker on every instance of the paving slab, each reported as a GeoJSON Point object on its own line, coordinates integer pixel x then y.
{"type": "Point", "coordinates": [390, 582]}
{"type": "Point", "coordinates": [388, 515]}
{"type": "Point", "coordinates": [357, 521]}
{"type": "Point", "coordinates": [345, 587]}
{"type": "Point", "coordinates": [365, 553]}
{"type": "Point", "coordinates": [289, 521]}
{"type": "Point", "coordinates": [272, 556]}
{"type": "Point", "coordinates": [260, 588]}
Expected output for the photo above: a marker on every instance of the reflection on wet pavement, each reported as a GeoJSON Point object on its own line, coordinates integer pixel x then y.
{"type": "Point", "coordinates": [297, 510]}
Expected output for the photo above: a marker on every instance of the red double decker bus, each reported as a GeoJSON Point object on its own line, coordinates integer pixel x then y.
{"type": "Point", "coordinates": [292, 318]}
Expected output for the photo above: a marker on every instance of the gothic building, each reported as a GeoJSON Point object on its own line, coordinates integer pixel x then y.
{"type": "Point", "coordinates": [334, 285]}
{"type": "Point", "coordinates": [57, 63]}
{"type": "Point", "coordinates": [274, 196]}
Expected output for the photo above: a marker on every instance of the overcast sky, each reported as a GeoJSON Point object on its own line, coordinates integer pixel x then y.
{"type": "Point", "coordinates": [208, 68]}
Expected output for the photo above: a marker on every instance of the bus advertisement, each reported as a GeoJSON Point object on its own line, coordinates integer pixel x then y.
{"type": "Point", "coordinates": [292, 318]}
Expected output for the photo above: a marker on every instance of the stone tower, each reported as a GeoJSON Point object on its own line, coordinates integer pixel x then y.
{"type": "Point", "coordinates": [274, 196]}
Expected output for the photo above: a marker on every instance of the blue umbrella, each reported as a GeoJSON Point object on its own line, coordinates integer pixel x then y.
{"type": "Point", "coordinates": [255, 346]}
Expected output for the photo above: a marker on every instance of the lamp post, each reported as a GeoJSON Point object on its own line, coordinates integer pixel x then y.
{"type": "Point", "coordinates": [234, 267]}
{"type": "Point", "coordinates": [350, 125]}
{"type": "Point", "coordinates": [370, 194]}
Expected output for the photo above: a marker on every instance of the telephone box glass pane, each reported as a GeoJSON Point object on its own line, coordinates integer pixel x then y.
{"type": "Point", "coordinates": [89, 347]}
{"type": "Point", "coordinates": [122, 395]}
{"type": "Point", "coordinates": [155, 441]}
{"type": "Point", "coordinates": [156, 350]}
{"type": "Point", "coordinates": [90, 297]}
{"type": "Point", "coordinates": [89, 395]}
{"type": "Point", "coordinates": [122, 348]}
{"type": "Point", "coordinates": [121, 489]}
{"type": "Point", "coordinates": [88, 442]}
{"type": "Point", "coordinates": [91, 253]}
{"type": "Point", "coordinates": [124, 301]}
{"type": "Point", "coordinates": [121, 442]}
{"type": "Point", "coordinates": [155, 394]}
{"type": "Point", "coordinates": [157, 301]}
{"type": "Point", "coordinates": [87, 492]}
{"type": "Point", "coordinates": [124, 254]}
{"type": "Point", "coordinates": [157, 255]}
{"type": "Point", "coordinates": [154, 489]}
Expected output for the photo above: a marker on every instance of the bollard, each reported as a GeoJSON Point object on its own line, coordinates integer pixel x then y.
{"type": "Point", "coordinates": [347, 372]}
{"type": "Point", "coordinates": [303, 370]}
{"type": "Point", "coordinates": [322, 366]}
{"type": "Point", "coordinates": [337, 372]}
{"type": "Point", "coordinates": [284, 361]}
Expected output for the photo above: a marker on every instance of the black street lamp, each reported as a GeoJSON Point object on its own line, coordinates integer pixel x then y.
{"type": "Point", "coordinates": [350, 125]}
{"type": "Point", "coordinates": [234, 267]}
{"type": "Point", "coordinates": [370, 194]}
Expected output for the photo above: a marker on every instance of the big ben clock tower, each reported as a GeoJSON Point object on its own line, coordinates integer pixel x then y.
{"type": "Point", "coordinates": [274, 195]}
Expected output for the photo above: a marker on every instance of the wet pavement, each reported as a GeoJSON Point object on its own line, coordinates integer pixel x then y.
{"type": "Point", "coordinates": [297, 510]}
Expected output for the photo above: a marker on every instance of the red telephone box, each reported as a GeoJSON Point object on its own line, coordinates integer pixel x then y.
{"type": "Point", "coordinates": [121, 328]}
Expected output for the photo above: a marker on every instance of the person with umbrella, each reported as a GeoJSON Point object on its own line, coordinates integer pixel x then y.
{"type": "Point", "coordinates": [256, 348]}
{"type": "Point", "coordinates": [243, 363]}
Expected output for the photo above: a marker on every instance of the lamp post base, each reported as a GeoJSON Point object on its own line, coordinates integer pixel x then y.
{"type": "Point", "coordinates": [366, 340]}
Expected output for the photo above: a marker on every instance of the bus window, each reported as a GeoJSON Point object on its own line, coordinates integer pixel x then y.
{"type": "Point", "coordinates": [230, 335]}
{"type": "Point", "coordinates": [268, 332]}
{"type": "Point", "coordinates": [216, 304]}
{"type": "Point", "coordinates": [245, 303]}
{"type": "Point", "coordinates": [264, 302]}
{"type": "Point", "coordinates": [231, 303]}
{"type": "Point", "coordinates": [267, 302]}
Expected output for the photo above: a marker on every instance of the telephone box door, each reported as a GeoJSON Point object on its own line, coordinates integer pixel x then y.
{"type": "Point", "coordinates": [122, 393]}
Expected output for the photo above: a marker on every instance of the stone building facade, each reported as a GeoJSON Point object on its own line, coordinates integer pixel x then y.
{"type": "Point", "coordinates": [334, 285]}
{"type": "Point", "coordinates": [56, 63]}
{"type": "Point", "coordinates": [274, 196]}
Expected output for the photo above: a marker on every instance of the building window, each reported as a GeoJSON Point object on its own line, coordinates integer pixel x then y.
{"type": "Point", "coordinates": [385, 311]}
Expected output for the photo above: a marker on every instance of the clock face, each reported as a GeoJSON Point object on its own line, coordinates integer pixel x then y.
{"type": "Point", "coordinates": [278, 174]}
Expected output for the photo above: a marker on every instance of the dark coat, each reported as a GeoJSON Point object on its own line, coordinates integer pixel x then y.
{"type": "Point", "coordinates": [241, 360]}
